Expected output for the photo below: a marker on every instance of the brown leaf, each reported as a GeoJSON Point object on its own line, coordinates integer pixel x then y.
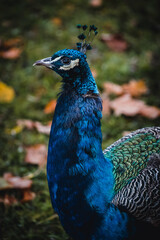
{"type": "Point", "coordinates": [8, 200]}
{"type": "Point", "coordinates": [95, 3]}
{"type": "Point", "coordinates": [112, 88]}
{"type": "Point", "coordinates": [12, 42]}
{"type": "Point", "coordinates": [150, 112]}
{"type": "Point", "coordinates": [126, 105]}
{"type": "Point", "coordinates": [7, 93]}
{"type": "Point", "coordinates": [28, 196]}
{"type": "Point", "coordinates": [17, 182]}
{"type": "Point", "coordinates": [43, 128]}
{"type": "Point", "coordinates": [29, 124]}
{"type": "Point", "coordinates": [115, 42]}
{"type": "Point", "coordinates": [135, 88]}
{"type": "Point", "coordinates": [57, 21]}
{"type": "Point", "coordinates": [106, 105]}
{"type": "Point", "coordinates": [11, 53]}
{"type": "Point", "coordinates": [94, 72]}
{"type": "Point", "coordinates": [50, 107]}
{"type": "Point", "coordinates": [36, 154]}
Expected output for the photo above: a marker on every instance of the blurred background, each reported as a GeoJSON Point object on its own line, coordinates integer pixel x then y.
{"type": "Point", "coordinates": [125, 60]}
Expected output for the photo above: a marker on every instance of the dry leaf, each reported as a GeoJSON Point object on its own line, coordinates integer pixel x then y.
{"type": "Point", "coordinates": [94, 72]}
{"type": "Point", "coordinates": [125, 133]}
{"type": "Point", "coordinates": [17, 182]}
{"type": "Point", "coordinates": [50, 107]}
{"type": "Point", "coordinates": [8, 200]}
{"type": "Point", "coordinates": [57, 21]}
{"type": "Point", "coordinates": [28, 196]}
{"type": "Point", "coordinates": [11, 53]}
{"type": "Point", "coordinates": [43, 128]}
{"type": "Point", "coordinates": [36, 154]}
{"type": "Point", "coordinates": [7, 93]}
{"type": "Point", "coordinates": [135, 88]}
{"type": "Point", "coordinates": [106, 105]}
{"type": "Point", "coordinates": [95, 3]}
{"type": "Point", "coordinates": [12, 42]}
{"type": "Point", "coordinates": [126, 105]}
{"type": "Point", "coordinates": [29, 124]}
{"type": "Point", "coordinates": [115, 42]}
{"type": "Point", "coordinates": [113, 88]}
{"type": "Point", "coordinates": [150, 112]}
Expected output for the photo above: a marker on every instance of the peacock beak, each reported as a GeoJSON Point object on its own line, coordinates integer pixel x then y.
{"type": "Point", "coordinates": [47, 62]}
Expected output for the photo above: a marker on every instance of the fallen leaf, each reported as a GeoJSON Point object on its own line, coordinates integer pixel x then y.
{"type": "Point", "coordinates": [112, 88]}
{"type": "Point", "coordinates": [43, 128]}
{"type": "Point", "coordinates": [36, 154]}
{"type": "Point", "coordinates": [29, 124]}
{"type": "Point", "coordinates": [95, 3]}
{"type": "Point", "coordinates": [28, 196]}
{"type": "Point", "coordinates": [106, 105]}
{"type": "Point", "coordinates": [150, 112]}
{"type": "Point", "coordinates": [7, 93]}
{"type": "Point", "coordinates": [115, 42]}
{"type": "Point", "coordinates": [12, 42]}
{"type": "Point", "coordinates": [135, 88]}
{"type": "Point", "coordinates": [57, 21]}
{"type": "Point", "coordinates": [8, 200]}
{"type": "Point", "coordinates": [11, 53]}
{"type": "Point", "coordinates": [94, 72]}
{"type": "Point", "coordinates": [50, 107]}
{"type": "Point", "coordinates": [17, 182]}
{"type": "Point", "coordinates": [125, 133]}
{"type": "Point", "coordinates": [126, 105]}
{"type": "Point", "coordinates": [130, 107]}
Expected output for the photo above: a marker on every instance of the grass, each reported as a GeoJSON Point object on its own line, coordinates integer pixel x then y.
{"type": "Point", "coordinates": [33, 22]}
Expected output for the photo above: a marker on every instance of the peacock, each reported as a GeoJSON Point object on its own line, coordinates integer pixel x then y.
{"type": "Point", "coordinates": [99, 195]}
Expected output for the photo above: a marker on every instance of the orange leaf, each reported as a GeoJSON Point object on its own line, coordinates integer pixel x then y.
{"type": "Point", "coordinates": [11, 53]}
{"type": "Point", "coordinates": [50, 107]}
{"type": "Point", "coordinates": [57, 21]}
{"type": "Point", "coordinates": [28, 196]}
{"type": "Point", "coordinates": [12, 42]}
{"type": "Point", "coordinates": [7, 93]}
{"type": "Point", "coordinates": [113, 88]}
{"type": "Point", "coordinates": [36, 154]}
{"type": "Point", "coordinates": [135, 88]}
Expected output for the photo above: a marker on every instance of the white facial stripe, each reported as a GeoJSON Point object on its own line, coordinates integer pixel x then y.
{"type": "Point", "coordinates": [71, 65]}
{"type": "Point", "coordinates": [56, 59]}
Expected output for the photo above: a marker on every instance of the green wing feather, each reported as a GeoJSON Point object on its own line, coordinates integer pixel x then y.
{"type": "Point", "coordinates": [131, 153]}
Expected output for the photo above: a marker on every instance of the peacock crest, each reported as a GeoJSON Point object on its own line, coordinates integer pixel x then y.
{"type": "Point", "coordinates": [86, 36]}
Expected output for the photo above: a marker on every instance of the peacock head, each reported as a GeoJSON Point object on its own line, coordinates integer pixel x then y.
{"type": "Point", "coordinates": [69, 63]}
{"type": "Point", "coordinates": [66, 62]}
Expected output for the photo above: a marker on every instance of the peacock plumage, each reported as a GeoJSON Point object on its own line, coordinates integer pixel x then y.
{"type": "Point", "coordinates": [98, 195]}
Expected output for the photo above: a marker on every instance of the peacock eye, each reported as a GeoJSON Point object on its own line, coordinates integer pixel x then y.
{"type": "Point", "coordinates": [66, 60]}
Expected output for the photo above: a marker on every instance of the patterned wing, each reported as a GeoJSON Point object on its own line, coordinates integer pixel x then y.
{"type": "Point", "coordinates": [141, 196]}
{"type": "Point", "coordinates": [131, 153]}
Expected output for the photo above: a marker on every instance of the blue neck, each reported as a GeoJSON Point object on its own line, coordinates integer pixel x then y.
{"type": "Point", "coordinates": [81, 81]}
